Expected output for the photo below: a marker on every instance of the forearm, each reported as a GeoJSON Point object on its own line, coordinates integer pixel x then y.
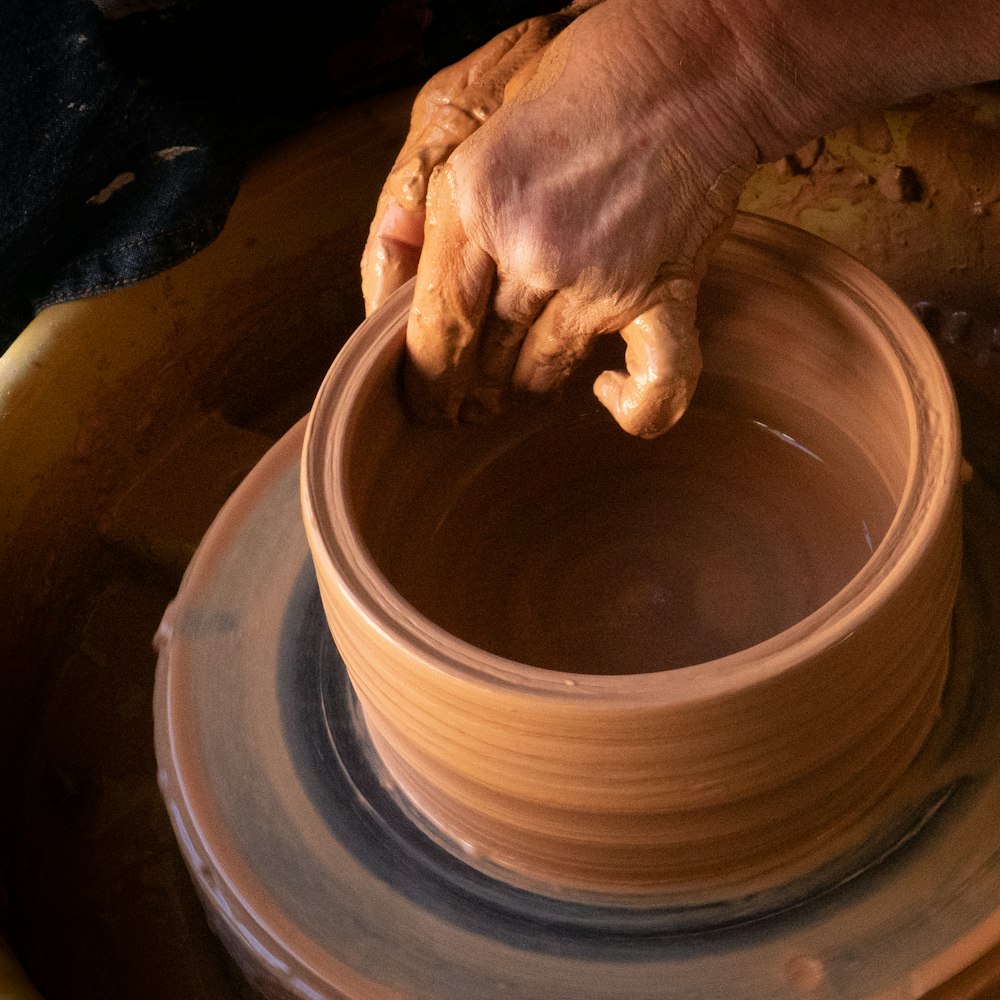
{"type": "Point", "coordinates": [816, 64]}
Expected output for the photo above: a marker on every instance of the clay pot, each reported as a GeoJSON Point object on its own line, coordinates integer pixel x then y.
{"type": "Point", "coordinates": [607, 668]}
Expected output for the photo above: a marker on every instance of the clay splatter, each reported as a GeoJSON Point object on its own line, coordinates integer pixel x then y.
{"type": "Point", "coordinates": [172, 152]}
{"type": "Point", "coordinates": [116, 185]}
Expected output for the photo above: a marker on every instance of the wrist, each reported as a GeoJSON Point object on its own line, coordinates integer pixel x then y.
{"type": "Point", "coordinates": [684, 65]}
{"type": "Point", "coordinates": [727, 69]}
{"type": "Point", "coordinates": [785, 89]}
{"type": "Point", "coordinates": [814, 65]}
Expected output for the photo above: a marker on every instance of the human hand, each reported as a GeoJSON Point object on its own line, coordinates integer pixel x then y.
{"type": "Point", "coordinates": [587, 201]}
{"type": "Point", "coordinates": [449, 108]}
{"type": "Point", "coordinates": [590, 202]}
{"type": "Point", "coordinates": [590, 196]}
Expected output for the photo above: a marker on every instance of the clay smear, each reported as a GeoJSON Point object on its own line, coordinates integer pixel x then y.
{"type": "Point", "coordinates": [802, 525]}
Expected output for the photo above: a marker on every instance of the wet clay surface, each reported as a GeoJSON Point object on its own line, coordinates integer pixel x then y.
{"type": "Point", "coordinates": [914, 193]}
{"type": "Point", "coordinates": [584, 550]}
{"type": "Point", "coordinates": [540, 534]}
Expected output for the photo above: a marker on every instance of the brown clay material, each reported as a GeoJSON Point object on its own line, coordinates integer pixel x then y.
{"type": "Point", "coordinates": [335, 895]}
{"type": "Point", "coordinates": [564, 544]}
{"type": "Point", "coordinates": [827, 420]}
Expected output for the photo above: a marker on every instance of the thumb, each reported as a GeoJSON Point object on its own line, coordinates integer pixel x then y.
{"type": "Point", "coordinates": [663, 362]}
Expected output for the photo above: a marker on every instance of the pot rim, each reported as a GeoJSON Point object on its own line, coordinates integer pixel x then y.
{"type": "Point", "coordinates": [933, 470]}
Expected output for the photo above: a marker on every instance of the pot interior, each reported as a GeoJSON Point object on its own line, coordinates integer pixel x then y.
{"type": "Point", "coordinates": [546, 535]}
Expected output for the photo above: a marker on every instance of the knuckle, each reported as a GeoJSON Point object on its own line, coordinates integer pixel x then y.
{"type": "Point", "coordinates": [535, 260]}
{"type": "Point", "coordinates": [532, 245]}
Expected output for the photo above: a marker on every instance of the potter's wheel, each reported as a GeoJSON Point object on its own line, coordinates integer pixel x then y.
{"type": "Point", "coordinates": [323, 887]}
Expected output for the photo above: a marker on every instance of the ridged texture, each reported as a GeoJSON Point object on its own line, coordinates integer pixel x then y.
{"type": "Point", "coordinates": [708, 780]}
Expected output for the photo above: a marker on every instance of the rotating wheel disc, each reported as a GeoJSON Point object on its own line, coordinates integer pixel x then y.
{"type": "Point", "coordinates": [323, 888]}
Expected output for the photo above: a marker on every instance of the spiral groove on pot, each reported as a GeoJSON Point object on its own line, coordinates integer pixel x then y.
{"type": "Point", "coordinates": [717, 777]}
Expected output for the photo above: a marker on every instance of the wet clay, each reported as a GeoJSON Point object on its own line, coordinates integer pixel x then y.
{"type": "Point", "coordinates": [912, 193]}
{"type": "Point", "coordinates": [680, 668]}
{"type": "Point", "coordinates": [580, 549]}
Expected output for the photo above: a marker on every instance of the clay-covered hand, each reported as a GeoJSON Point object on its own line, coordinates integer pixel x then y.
{"type": "Point", "coordinates": [589, 202]}
{"type": "Point", "coordinates": [573, 177]}
{"type": "Point", "coordinates": [448, 109]}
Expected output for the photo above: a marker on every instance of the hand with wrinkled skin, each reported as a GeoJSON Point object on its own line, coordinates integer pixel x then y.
{"type": "Point", "coordinates": [590, 197]}
{"type": "Point", "coordinates": [448, 109]}
{"type": "Point", "coordinates": [542, 234]}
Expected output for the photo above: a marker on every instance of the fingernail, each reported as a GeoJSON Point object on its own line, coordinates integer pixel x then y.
{"type": "Point", "coordinates": [607, 388]}
{"type": "Point", "coordinates": [402, 225]}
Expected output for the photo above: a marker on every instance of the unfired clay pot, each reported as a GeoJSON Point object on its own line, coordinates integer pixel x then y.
{"type": "Point", "coordinates": [683, 669]}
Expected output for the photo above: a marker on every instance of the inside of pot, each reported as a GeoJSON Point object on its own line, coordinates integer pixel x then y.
{"type": "Point", "coordinates": [548, 536]}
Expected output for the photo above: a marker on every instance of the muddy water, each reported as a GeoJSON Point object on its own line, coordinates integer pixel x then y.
{"type": "Point", "coordinates": [581, 549]}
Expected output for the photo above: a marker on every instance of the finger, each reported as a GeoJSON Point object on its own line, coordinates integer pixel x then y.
{"type": "Point", "coordinates": [514, 307]}
{"type": "Point", "coordinates": [517, 82]}
{"type": "Point", "coordinates": [454, 282]}
{"type": "Point", "coordinates": [555, 343]}
{"type": "Point", "coordinates": [448, 109]}
{"type": "Point", "coordinates": [392, 252]}
{"type": "Point", "coordinates": [663, 362]}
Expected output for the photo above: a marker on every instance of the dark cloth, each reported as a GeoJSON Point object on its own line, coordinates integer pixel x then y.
{"type": "Point", "coordinates": [123, 138]}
